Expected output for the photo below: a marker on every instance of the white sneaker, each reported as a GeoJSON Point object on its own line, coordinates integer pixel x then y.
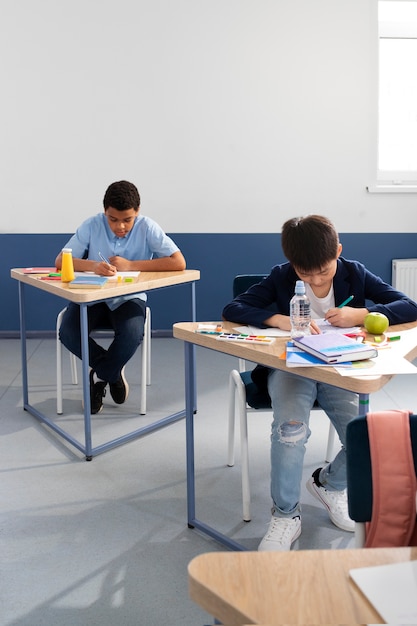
{"type": "Point", "coordinates": [334, 501]}
{"type": "Point", "coordinates": [282, 533]}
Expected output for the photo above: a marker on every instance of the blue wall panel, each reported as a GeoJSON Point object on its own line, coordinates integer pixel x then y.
{"type": "Point", "coordinates": [219, 257]}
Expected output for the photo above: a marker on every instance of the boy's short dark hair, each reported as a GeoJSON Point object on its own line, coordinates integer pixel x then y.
{"type": "Point", "coordinates": [122, 196]}
{"type": "Point", "coordinates": [309, 243]}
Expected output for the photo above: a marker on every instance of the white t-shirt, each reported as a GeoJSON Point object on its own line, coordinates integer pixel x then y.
{"type": "Point", "coordinates": [319, 306]}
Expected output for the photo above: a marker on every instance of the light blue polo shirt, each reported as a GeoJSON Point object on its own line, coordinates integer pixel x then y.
{"type": "Point", "coordinates": [145, 241]}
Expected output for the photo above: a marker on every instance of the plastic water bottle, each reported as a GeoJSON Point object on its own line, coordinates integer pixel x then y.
{"type": "Point", "coordinates": [300, 314]}
{"type": "Point", "coordinates": [67, 266]}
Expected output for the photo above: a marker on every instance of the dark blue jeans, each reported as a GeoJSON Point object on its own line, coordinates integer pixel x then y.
{"type": "Point", "coordinates": [127, 322]}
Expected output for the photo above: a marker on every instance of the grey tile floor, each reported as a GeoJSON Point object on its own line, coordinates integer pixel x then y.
{"type": "Point", "coordinates": [107, 541]}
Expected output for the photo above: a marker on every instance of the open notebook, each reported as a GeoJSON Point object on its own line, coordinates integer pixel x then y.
{"type": "Point", "coordinates": [123, 275]}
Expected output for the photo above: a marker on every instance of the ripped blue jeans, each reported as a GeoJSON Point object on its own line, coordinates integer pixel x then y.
{"type": "Point", "coordinates": [292, 400]}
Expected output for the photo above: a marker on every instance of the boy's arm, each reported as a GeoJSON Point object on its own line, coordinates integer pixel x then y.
{"type": "Point", "coordinates": [174, 263]}
{"type": "Point", "coordinates": [85, 265]}
{"type": "Point", "coordinates": [80, 244]}
{"type": "Point", "coordinates": [263, 304]}
{"type": "Point", "coordinates": [398, 307]}
{"type": "Point", "coordinates": [370, 293]}
{"type": "Point", "coordinates": [283, 322]}
{"type": "Point", "coordinates": [278, 321]}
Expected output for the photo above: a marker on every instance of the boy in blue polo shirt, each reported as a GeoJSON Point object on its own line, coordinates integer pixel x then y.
{"type": "Point", "coordinates": [311, 245]}
{"type": "Point", "coordinates": [129, 242]}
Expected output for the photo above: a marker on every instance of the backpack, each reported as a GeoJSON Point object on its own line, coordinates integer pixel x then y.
{"type": "Point", "coordinates": [394, 483]}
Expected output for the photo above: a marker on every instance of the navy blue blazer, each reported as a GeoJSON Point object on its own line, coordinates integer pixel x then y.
{"type": "Point", "coordinates": [352, 278]}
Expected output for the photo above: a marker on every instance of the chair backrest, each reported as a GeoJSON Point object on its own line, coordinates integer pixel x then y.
{"type": "Point", "coordinates": [242, 282]}
{"type": "Point", "coordinates": [360, 480]}
{"type": "Point", "coordinates": [257, 396]}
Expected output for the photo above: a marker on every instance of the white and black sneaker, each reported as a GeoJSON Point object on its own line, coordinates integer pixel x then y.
{"type": "Point", "coordinates": [334, 501]}
{"type": "Point", "coordinates": [281, 534]}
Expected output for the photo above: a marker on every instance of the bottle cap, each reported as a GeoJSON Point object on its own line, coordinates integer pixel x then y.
{"type": "Point", "coordinates": [300, 287]}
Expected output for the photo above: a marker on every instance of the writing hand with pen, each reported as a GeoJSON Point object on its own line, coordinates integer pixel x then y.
{"type": "Point", "coordinates": [345, 316]}
{"type": "Point", "coordinates": [105, 268]}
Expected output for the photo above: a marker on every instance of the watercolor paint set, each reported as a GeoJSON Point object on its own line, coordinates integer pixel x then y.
{"type": "Point", "coordinates": [261, 339]}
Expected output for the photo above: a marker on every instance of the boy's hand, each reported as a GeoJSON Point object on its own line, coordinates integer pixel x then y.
{"type": "Point", "coordinates": [315, 330]}
{"type": "Point", "coordinates": [284, 323]}
{"type": "Point", "coordinates": [345, 317]}
{"type": "Point", "coordinates": [104, 269]}
{"type": "Point", "coordinates": [121, 264]}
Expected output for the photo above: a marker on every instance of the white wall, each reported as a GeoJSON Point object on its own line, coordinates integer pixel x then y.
{"type": "Point", "coordinates": [229, 115]}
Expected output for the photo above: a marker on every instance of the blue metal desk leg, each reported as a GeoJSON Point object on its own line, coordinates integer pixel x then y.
{"type": "Point", "coordinates": [194, 319]}
{"type": "Point", "coordinates": [86, 381]}
{"type": "Point", "coordinates": [190, 393]}
{"type": "Point", "coordinates": [23, 347]}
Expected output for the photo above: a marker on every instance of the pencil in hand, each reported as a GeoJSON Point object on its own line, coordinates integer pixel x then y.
{"type": "Point", "coordinates": [345, 302]}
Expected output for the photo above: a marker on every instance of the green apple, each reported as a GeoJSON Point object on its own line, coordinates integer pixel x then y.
{"type": "Point", "coordinates": [376, 323]}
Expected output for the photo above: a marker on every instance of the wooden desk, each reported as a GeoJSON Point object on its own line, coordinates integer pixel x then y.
{"type": "Point", "coordinates": [147, 281]}
{"type": "Point", "coordinates": [269, 356]}
{"type": "Point", "coordinates": [296, 587]}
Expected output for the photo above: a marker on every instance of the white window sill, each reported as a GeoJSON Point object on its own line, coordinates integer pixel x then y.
{"type": "Point", "coordinates": [390, 188]}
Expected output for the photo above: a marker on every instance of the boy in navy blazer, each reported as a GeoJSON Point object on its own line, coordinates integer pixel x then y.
{"type": "Point", "coordinates": [312, 247]}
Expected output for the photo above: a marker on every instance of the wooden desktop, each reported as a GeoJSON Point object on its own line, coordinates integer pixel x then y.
{"type": "Point", "coordinates": [295, 587]}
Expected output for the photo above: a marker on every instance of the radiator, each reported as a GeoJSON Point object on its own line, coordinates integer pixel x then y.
{"type": "Point", "coordinates": [404, 276]}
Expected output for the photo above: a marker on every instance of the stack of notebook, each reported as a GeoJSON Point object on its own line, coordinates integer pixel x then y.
{"type": "Point", "coordinates": [334, 347]}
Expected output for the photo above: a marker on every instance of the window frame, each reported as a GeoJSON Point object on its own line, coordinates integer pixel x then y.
{"type": "Point", "coordinates": [390, 181]}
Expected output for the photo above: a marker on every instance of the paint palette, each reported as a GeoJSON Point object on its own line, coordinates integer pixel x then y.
{"type": "Point", "coordinates": [261, 339]}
